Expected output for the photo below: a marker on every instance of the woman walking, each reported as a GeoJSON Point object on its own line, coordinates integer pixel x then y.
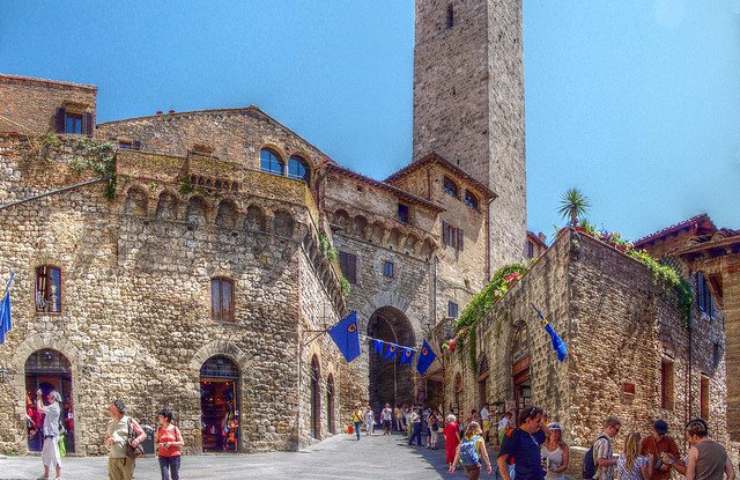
{"type": "Point", "coordinates": [631, 465]}
{"type": "Point", "coordinates": [169, 442]}
{"type": "Point", "coordinates": [555, 453]}
{"type": "Point", "coordinates": [433, 430]}
{"type": "Point", "coordinates": [471, 451]}
{"type": "Point", "coordinates": [357, 420]}
{"type": "Point", "coordinates": [369, 421]}
{"type": "Point", "coordinates": [50, 455]}
{"type": "Point", "coordinates": [452, 438]}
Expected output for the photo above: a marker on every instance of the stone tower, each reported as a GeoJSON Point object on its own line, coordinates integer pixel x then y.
{"type": "Point", "coordinates": [469, 104]}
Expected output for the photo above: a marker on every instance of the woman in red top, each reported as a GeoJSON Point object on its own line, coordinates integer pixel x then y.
{"type": "Point", "coordinates": [452, 439]}
{"type": "Point", "coordinates": [169, 442]}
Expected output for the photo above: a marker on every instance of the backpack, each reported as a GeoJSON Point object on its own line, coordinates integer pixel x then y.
{"type": "Point", "coordinates": [589, 464]}
{"type": "Point", "coordinates": [468, 452]}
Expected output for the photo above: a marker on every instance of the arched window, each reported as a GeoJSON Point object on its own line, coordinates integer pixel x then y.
{"type": "Point", "coordinates": [450, 187]}
{"type": "Point", "coordinates": [297, 168]}
{"type": "Point", "coordinates": [271, 162]}
{"type": "Point", "coordinates": [315, 398]}
{"type": "Point", "coordinates": [471, 200]}
{"type": "Point", "coordinates": [48, 289]}
{"type": "Point", "coordinates": [222, 299]}
{"type": "Point", "coordinates": [331, 424]}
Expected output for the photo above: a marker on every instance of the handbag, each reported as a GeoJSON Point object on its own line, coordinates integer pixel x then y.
{"type": "Point", "coordinates": [131, 451]}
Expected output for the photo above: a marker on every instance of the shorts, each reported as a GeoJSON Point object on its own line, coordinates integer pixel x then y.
{"type": "Point", "coordinates": [50, 453]}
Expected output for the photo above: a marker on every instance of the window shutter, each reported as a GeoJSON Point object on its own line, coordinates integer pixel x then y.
{"type": "Point", "coordinates": [88, 124]}
{"type": "Point", "coordinates": [59, 120]}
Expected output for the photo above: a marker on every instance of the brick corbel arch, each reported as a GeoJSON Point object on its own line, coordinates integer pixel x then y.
{"type": "Point", "coordinates": [220, 347]}
{"type": "Point", "coordinates": [65, 347]}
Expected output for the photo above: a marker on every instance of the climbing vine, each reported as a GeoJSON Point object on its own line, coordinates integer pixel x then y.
{"type": "Point", "coordinates": [668, 275]}
{"type": "Point", "coordinates": [345, 286]}
{"type": "Point", "coordinates": [96, 157]}
{"type": "Point", "coordinates": [327, 249]}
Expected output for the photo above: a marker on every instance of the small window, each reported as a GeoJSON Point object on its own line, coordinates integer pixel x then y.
{"type": "Point", "coordinates": [222, 299]}
{"type": "Point", "coordinates": [452, 236]}
{"type": "Point", "coordinates": [73, 123]}
{"type": "Point", "coordinates": [452, 309]}
{"type": "Point", "coordinates": [450, 16]}
{"type": "Point", "coordinates": [666, 384]}
{"type": "Point", "coordinates": [530, 249]}
{"type": "Point", "coordinates": [298, 169]}
{"type": "Point", "coordinates": [471, 200]}
{"type": "Point", "coordinates": [450, 187]}
{"type": "Point", "coordinates": [628, 388]}
{"type": "Point", "coordinates": [703, 294]}
{"type": "Point", "coordinates": [704, 397]}
{"type": "Point", "coordinates": [48, 289]}
{"type": "Point", "coordinates": [271, 162]}
{"type": "Point", "coordinates": [403, 213]}
{"type": "Point", "coordinates": [716, 353]}
{"type": "Point", "coordinates": [348, 264]}
{"type": "Point", "coordinates": [129, 145]}
{"type": "Point", "coordinates": [389, 269]}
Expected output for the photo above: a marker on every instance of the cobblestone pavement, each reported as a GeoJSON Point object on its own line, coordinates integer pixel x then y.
{"type": "Point", "coordinates": [340, 457]}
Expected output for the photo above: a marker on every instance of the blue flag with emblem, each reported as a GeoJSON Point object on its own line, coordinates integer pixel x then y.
{"type": "Point", "coordinates": [407, 356]}
{"type": "Point", "coordinates": [378, 346]}
{"type": "Point", "coordinates": [560, 347]}
{"type": "Point", "coordinates": [346, 336]}
{"type": "Point", "coordinates": [390, 351]}
{"type": "Point", "coordinates": [426, 358]}
{"type": "Point", "coordinates": [6, 320]}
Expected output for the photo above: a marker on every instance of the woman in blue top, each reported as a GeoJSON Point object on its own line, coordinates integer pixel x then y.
{"type": "Point", "coordinates": [523, 445]}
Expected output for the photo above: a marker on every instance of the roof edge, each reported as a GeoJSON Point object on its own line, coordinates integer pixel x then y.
{"type": "Point", "coordinates": [20, 79]}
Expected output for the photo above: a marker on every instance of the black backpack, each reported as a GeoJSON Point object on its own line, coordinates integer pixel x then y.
{"type": "Point", "coordinates": [589, 466]}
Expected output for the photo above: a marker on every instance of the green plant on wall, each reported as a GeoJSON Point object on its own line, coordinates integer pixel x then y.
{"type": "Point", "coordinates": [345, 286]}
{"type": "Point", "coordinates": [327, 249]}
{"type": "Point", "coordinates": [186, 186]}
{"type": "Point", "coordinates": [668, 275]}
{"type": "Point", "coordinates": [97, 157]}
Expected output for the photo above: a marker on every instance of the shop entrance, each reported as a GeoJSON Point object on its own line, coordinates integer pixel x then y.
{"type": "Point", "coordinates": [219, 405]}
{"type": "Point", "coordinates": [521, 361]}
{"type": "Point", "coordinates": [48, 370]}
{"type": "Point", "coordinates": [315, 398]}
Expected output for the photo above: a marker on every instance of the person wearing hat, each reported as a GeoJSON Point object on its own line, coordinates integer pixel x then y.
{"type": "Point", "coordinates": [52, 410]}
{"type": "Point", "coordinates": [120, 464]}
{"type": "Point", "coordinates": [555, 453]}
{"type": "Point", "coordinates": [657, 444]}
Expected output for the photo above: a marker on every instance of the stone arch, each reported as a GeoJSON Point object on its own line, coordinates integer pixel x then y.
{"type": "Point", "coordinates": [389, 380]}
{"type": "Point", "coordinates": [341, 218]}
{"type": "Point", "coordinates": [427, 248]}
{"type": "Point", "coordinates": [227, 214]}
{"type": "Point", "coordinates": [220, 347]}
{"type": "Point", "coordinates": [412, 241]}
{"type": "Point", "coordinates": [283, 223]}
{"type": "Point", "coordinates": [378, 232]}
{"type": "Point", "coordinates": [41, 342]}
{"type": "Point", "coordinates": [395, 238]}
{"type": "Point", "coordinates": [315, 396]}
{"type": "Point", "coordinates": [482, 375]}
{"type": "Point", "coordinates": [196, 211]}
{"type": "Point", "coordinates": [137, 201]}
{"type": "Point", "coordinates": [255, 219]}
{"type": "Point", "coordinates": [167, 206]}
{"type": "Point", "coordinates": [360, 226]}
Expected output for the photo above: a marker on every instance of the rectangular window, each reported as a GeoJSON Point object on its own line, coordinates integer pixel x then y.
{"type": "Point", "coordinates": [450, 16]}
{"type": "Point", "coordinates": [48, 289]}
{"type": "Point", "coordinates": [452, 236]}
{"type": "Point", "coordinates": [130, 145]}
{"type": "Point", "coordinates": [703, 294]}
{"type": "Point", "coordinates": [73, 123]}
{"type": "Point", "coordinates": [403, 213]}
{"type": "Point", "coordinates": [530, 249]}
{"type": "Point", "coordinates": [389, 269]}
{"type": "Point", "coordinates": [222, 299]}
{"type": "Point", "coordinates": [704, 397]}
{"type": "Point", "coordinates": [666, 384]}
{"type": "Point", "coordinates": [452, 309]}
{"type": "Point", "coordinates": [348, 264]}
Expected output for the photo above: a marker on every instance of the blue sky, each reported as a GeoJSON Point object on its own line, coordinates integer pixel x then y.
{"type": "Point", "coordinates": [635, 102]}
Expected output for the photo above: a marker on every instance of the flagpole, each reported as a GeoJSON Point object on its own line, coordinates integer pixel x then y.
{"type": "Point", "coordinates": [9, 284]}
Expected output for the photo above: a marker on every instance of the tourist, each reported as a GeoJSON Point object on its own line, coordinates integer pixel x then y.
{"type": "Point", "coordinates": [657, 444]}
{"type": "Point", "coordinates": [452, 438]}
{"type": "Point", "coordinates": [50, 455]}
{"type": "Point", "coordinates": [415, 421]}
{"type": "Point", "coordinates": [357, 415]}
{"type": "Point", "coordinates": [397, 419]}
{"type": "Point", "coordinates": [34, 422]}
{"type": "Point", "coordinates": [503, 425]}
{"type": "Point", "coordinates": [485, 418]}
{"type": "Point", "coordinates": [169, 442]}
{"type": "Point", "coordinates": [409, 423]}
{"type": "Point", "coordinates": [555, 452]}
{"type": "Point", "coordinates": [470, 452]}
{"type": "Point", "coordinates": [386, 416]}
{"type": "Point", "coordinates": [369, 421]}
{"type": "Point", "coordinates": [630, 464]}
{"type": "Point", "coordinates": [707, 459]}
{"type": "Point", "coordinates": [121, 429]}
{"type": "Point", "coordinates": [425, 433]}
{"type": "Point", "coordinates": [433, 430]}
{"type": "Point", "coordinates": [602, 450]}
{"type": "Point", "coordinates": [523, 444]}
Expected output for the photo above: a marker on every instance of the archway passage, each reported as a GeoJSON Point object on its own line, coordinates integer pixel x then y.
{"type": "Point", "coordinates": [330, 421]}
{"type": "Point", "coordinates": [315, 398]}
{"type": "Point", "coordinates": [520, 361]}
{"type": "Point", "coordinates": [390, 381]}
{"type": "Point", "coordinates": [219, 405]}
{"type": "Point", "coordinates": [48, 370]}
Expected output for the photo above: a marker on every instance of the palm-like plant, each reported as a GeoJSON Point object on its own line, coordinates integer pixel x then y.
{"type": "Point", "coordinates": [573, 204]}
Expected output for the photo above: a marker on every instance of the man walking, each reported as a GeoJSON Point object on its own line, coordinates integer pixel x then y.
{"type": "Point", "coordinates": [123, 431]}
{"type": "Point", "coordinates": [386, 416]}
{"type": "Point", "coordinates": [708, 459]}
{"type": "Point", "coordinates": [603, 449]}
{"type": "Point", "coordinates": [657, 444]}
{"type": "Point", "coordinates": [415, 421]}
{"type": "Point", "coordinates": [50, 455]}
{"type": "Point", "coordinates": [524, 446]}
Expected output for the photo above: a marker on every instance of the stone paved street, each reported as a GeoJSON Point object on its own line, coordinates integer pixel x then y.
{"type": "Point", "coordinates": [340, 457]}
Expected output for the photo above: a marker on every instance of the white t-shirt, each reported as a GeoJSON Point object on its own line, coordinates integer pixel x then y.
{"type": "Point", "coordinates": [503, 424]}
{"type": "Point", "coordinates": [387, 414]}
{"type": "Point", "coordinates": [369, 416]}
{"type": "Point", "coordinates": [484, 415]}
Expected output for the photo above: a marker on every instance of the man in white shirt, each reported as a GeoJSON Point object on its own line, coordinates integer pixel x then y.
{"type": "Point", "coordinates": [386, 416]}
{"type": "Point", "coordinates": [485, 418]}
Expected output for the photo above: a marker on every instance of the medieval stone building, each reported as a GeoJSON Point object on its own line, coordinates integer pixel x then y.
{"type": "Point", "coordinates": [194, 258]}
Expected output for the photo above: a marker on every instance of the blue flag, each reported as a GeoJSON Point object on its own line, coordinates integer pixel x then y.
{"type": "Point", "coordinates": [6, 321]}
{"type": "Point", "coordinates": [407, 356]}
{"type": "Point", "coordinates": [426, 358]}
{"type": "Point", "coordinates": [346, 336]}
{"type": "Point", "coordinates": [561, 349]}
{"type": "Point", "coordinates": [390, 352]}
{"type": "Point", "coordinates": [378, 345]}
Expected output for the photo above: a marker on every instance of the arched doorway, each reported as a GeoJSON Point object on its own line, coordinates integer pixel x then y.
{"type": "Point", "coordinates": [219, 404]}
{"type": "Point", "coordinates": [330, 422]}
{"type": "Point", "coordinates": [48, 370]}
{"type": "Point", "coordinates": [390, 381]}
{"type": "Point", "coordinates": [315, 398]}
{"type": "Point", "coordinates": [520, 361]}
{"type": "Point", "coordinates": [483, 381]}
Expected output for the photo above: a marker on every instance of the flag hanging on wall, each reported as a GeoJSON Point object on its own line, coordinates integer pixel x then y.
{"type": "Point", "coordinates": [426, 358]}
{"type": "Point", "coordinates": [560, 347]}
{"type": "Point", "coordinates": [6, 319]}
{"type": "Point", "coordinates": [346, 336]}
{"type": "Point", "coordinates": [407, 356]}
{"type": "Point", "coordinates": [378, 346]}
{"type": "Point", "coordinates": [390, 351]}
